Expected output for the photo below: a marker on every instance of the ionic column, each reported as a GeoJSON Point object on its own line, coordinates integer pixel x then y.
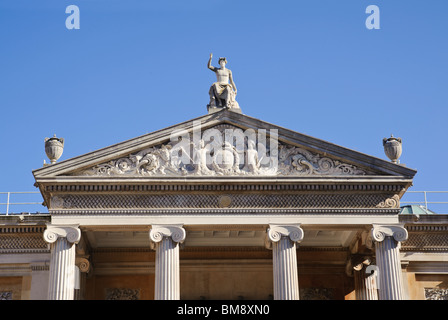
{"type": "Point", "coordinates": [165, 240]}
{"type": "Point", "coordinates": [387, 241]}
{"type": "Point", "coordinates": [283, 239]}
{"type": "Point", "coordinates": [62, 240]}
{"type": "Point", "coordinates": [365, 280]}
{"type": "Point", "coordinates": [83, 267]}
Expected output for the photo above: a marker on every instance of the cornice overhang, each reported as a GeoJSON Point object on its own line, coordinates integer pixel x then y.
{"type": "Point", "coordinates": [379, 194]}
{"type": "Point", "coordinates": [390, 185]}
{"type": "Point", "coordinates": [225, 179]}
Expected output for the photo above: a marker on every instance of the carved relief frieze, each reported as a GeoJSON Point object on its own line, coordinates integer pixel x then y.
{"type": "Point", "coordinates": [215, 154]}
{"type": "Point", "coordinates": [122, 294]}
{"type": "Point", "coordinates": [298, 161]}
{"type": "Point", "coordinates": [317, 293]}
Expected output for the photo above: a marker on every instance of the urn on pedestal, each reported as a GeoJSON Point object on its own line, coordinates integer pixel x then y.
{"type": "Point", "coordinates": [53, 148]}
{"type": "Point", "coordinates": [392, 148]}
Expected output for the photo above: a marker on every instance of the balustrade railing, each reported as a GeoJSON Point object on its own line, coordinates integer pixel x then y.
{"type": "Point", "coordinates": [28, 202]}
{"type": "Point", "coordinates": [435, 201]}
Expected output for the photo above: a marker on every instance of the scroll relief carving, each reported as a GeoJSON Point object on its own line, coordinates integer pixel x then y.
{"type": "Point", "coordinates": [223, 150]}
{"type": "Point", "coordinates": [392, 202]}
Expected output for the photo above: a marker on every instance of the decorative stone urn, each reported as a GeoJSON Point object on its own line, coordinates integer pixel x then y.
{"type": "Point", "coordinates": [392, 148]}
{"type": "Point", "coordinates": [53, 148]}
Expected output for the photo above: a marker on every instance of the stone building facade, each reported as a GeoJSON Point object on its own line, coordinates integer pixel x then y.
{"type": "Point", "coordinates": [224, 206]}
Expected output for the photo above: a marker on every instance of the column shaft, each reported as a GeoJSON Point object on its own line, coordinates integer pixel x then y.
{"type": "Point", "coordinates": [286, 282]}
{"type": "Point", "coordinates": [165, 240]}
{"type": "Point", "coordinates": [284, 258]}
{"type": "Point", "coordinates": [62, 270]}
{"type": "Point", "coordinates": [387, 240]}
{"type": "Point", "coordinates": [62, 240]}
{"type": "Point", "coordinates": [390, 276]}
{"type": "Point", "coordinates": [365, 285]}
{"type": "Point", "coordinates": [167, 277]}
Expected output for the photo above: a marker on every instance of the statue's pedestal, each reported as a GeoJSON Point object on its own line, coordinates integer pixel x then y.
{"type": "Point", "coordinates": [214, 109]}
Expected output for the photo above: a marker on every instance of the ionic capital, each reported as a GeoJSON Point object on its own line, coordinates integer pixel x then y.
{"type": "Point", "coordinates": [293, 231]}
{"type": "Point", "coordinates": [70, 232]}
{"type": "Point", "coordinates": [175, 232]}
{"type": "Point", "coordinates": [380, 232]}
{"type": "Point", "coordinates": [83, 264]}
{"type": "Point", "coordinates": [359, 261]}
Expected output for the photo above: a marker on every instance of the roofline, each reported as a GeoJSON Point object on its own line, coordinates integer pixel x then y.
{"type": "Point", "coordinates": [128, 144]}
{"type": "Point", "coordinates": [285, 135]}
{"type": "Point", "coordinates": [331, 148]}
{"type": "Point", "coordinates": [423, 219]}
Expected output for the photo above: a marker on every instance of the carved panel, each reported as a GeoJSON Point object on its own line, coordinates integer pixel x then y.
{"type": "Point", "coordinates": [436, 294]}
{"type": "Point", "coordinates": [215, 154]}
{"type": "Point", "coordinates": [5, 295]}
{"type": "Point", "coordinates": [122, 294]}
{"type": "Point", "coordinates": [316, 293]}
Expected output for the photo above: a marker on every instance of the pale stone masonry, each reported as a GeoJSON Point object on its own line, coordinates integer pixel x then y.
{"type": "Point", "coordinates": [386, 239]}
{"type": "Point", "coordinates": [137, 183]}
{"type": "Point", "coordinates": [285, 217]}
{"type": "Point", "coordinates": [62, 240]}
{"type": "Point", "coordinates": [283, 239]}
{"type": "Point", "coordinates": [166, 239]}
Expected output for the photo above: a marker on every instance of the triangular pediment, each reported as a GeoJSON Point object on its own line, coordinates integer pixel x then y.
{"type": "Point", "coordinates": [224, 144]}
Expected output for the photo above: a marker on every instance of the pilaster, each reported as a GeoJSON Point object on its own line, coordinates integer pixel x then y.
{"type": "Point", "coordinates": [165, 240]}
{"type": "Point", "coordinates": [62, 240]}
{"type": "Point", "coordinates": [283, 239]}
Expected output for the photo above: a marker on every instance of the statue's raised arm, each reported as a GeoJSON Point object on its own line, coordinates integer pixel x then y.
{"type": "Point", "coordinates": [209, 65]}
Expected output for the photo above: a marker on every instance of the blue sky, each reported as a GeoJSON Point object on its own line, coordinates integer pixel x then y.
{"type": "Point", "coordinates": [134, 67]}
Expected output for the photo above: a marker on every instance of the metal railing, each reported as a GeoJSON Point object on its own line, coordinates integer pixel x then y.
{"type": "Point", "coordinates": [423, 199]}
{"type": "Point", "coordinates": [438, 203]}
{"type": "Point", "coordinates": [5, 207]}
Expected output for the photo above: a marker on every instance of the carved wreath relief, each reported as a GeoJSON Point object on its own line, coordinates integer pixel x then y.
{"type": "Point", "coordinates": [122, 294]}
{"type": "Point", "coordinates": [223, 150]}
